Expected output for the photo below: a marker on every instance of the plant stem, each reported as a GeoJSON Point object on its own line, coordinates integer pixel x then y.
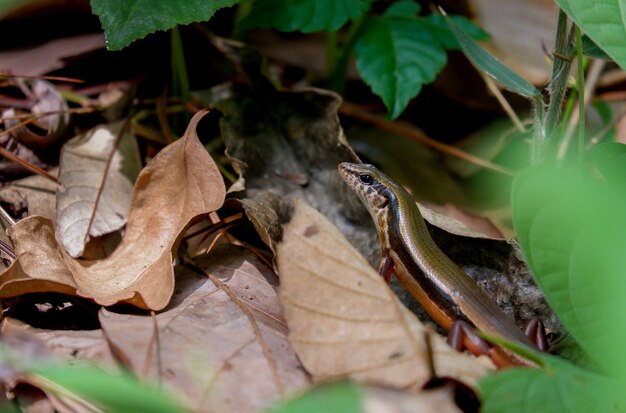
{"type": "Point", "coordinates": [180, 80]}
{"type": "Point", "coordinates": [581, 98]}
{"type": "Point", "coordinates": [538, 136]}
{"type": "Point", "coordinates": [331, 51]}
{"type": "Point", "coordinates": [337, 74]}
{"type": "Point", "coordinates": [558, 80]}
{"type": "Point", "coordinates": [243, 9]}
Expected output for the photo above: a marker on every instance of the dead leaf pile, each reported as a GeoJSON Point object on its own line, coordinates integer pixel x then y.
{"type": "Point", "coordinates": [218, 339]}
{"type": "Point", "coordinates": [178, 185]}
{"type": "Point", "coordinates": [222, 343]}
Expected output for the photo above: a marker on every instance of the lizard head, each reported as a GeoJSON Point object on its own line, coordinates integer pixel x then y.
{"type": "Point", "coordinates": [371, 185]}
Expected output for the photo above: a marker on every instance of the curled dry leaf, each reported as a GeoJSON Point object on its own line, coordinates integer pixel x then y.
{"type": "Point", "coordinates": [455, 220]}
{"type": "Point", "coordinates": [97, 172]}
{"type": "Point", "coordinates": [345, 322]}
{"type": "Point", "coordinates": [33, 195]}
{"type": "Point", "coordinates": [179, 184]}
{"type": "Point", "coordinates": [222, 344]}
{"type": "Point", "coordinates": [50, 109]}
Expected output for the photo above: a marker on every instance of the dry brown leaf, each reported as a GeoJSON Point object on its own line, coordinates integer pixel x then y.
{"type": "Point", "coordinates": [33, 195]}
{"type": "Point", "coordinates": [84, 161]}
{"type": "Point", "coordinates": [39, 266]}
{"type": "Point", "coordinates": [50, 109]}
{"type": "Point", "coordinates": [179, 184]}
{"type": "Point", "coordinates": [47, 57]}
{"type": "Point", "coordinates": [457, 221]}
{"type": "Point", "coordinates": [68, 345]}
{"type": "Point", "coordinates": [222, 344]}
{"type": "Point", "coordinates": [345, 322]}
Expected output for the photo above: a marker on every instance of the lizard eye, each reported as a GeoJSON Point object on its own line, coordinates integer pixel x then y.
{"type": "Point", "coordinates": [366, 179]}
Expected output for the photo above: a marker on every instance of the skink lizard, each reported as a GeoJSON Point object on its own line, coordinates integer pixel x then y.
{"type": "Point", "coordinates": [446, 292]}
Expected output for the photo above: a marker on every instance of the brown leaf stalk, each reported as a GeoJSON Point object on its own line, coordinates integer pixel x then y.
{"type": "Point", "coordinates": [407, 130]}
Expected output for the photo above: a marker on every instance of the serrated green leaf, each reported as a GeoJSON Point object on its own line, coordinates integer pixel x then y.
{"type": "Point", "coordinates": [604, 21]}
{"type": "Point", "coordinates": [339, 397]}
{"type": "Point", "coordinates": [125, 21]}
{"type": "Point", "coordinates": [490, 65]}
{"type": "Point", "coordinates": [560, 387]}
{"type": "Point", "coordinates": [442, 32]}
{"type": "Point", "coordinates": [403, 8]}
{"type": "Point", "coordinates": [571, 228]}
{"type": "Point", "coordinates": [113, 393]}
{"type": "Point", "coordinates": [304, 15]}
{"type": "Point", "coordinates": [395, 57]}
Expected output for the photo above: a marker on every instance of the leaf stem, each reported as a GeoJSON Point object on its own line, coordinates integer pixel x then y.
{"type": "Point", "coordinates": [331, 51]}
{"type": "Point", "coordinates": [337, 73]}
{"type": "Point", "coordinates": [580, 80]}
{"type": "Point", "coordinates": [180, 79]}
{"type": "Point", "coordinates": [560, 73]}
{"type": "Point", "coordinates": [538, 136]}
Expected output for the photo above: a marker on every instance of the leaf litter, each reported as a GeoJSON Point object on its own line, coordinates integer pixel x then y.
{"type": "Point", "coordinates": [178, 185]}
{"type": "Point", "coordinates": [220, 336]}
{"type": "Point", "coordinates": [222, 341]}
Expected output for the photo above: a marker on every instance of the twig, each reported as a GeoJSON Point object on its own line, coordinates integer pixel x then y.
{"type": "Point", "coordinates": [223, 223]}
{"type": "Point", "coordinates": [27, 165]}
{"type": "Point", "coordinates": [120, 133]}
{"type": "Point", "coordinates": [491, 85]}
{"type": "Point", "coordinates": [5, 215]}
{"type": "Point", "coordinates": [407, 130]}
{"type": "Point", "coordinates": [6, 248]}
{"type": "Point", "coordinates": [35, 116]}
{"type": "Point", "coordinates": [57, 78]}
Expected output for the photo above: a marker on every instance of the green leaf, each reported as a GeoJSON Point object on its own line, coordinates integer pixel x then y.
{"type": "Point", "coordinates": [559, 387]}
{"type": "Point", "coordinates": [403, 8]}
{"type": "Point", "coordinates": [339, 397]}
{"type": "Point", "coordinates": [604, 21]}
{"type": "Point", "coordinates": [571, 228]}
{"type": "Point", "coordinates": [593, 50]}
{"type": "Point", "coordinates": [125, 21]}
{"type": "Point", "coordinates": [304, 15]}
{"type": "Point", "coordinates": [489, 64]}
{"type": "Point", "coordinates": [610, 158]}
{"type": "Point", "coordinates": [113, 393]}
{"type": "Point", "coordinates": [440, 29]}
{"type": "Point", "coordinates": [395, 57]}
